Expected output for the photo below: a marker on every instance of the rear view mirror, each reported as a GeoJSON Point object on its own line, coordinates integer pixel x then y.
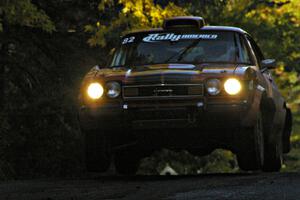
{"type": "Point", "coordinates": [268, 64]}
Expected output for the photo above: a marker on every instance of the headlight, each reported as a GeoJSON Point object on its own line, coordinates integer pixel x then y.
{"type": "Point", "coordinates": [113, 89]}
{"type": "Point", "coordinates": [95, 90]}
{"type": "Point", "coordinates": [213, 86]}
{"type": "Point", "coordinates": [232, 86]}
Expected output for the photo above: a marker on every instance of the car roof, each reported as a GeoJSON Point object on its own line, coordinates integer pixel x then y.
{"type": "Point", "coordinates": [204, 28]}
{"type": "Point", "coordinates": [223, 28]}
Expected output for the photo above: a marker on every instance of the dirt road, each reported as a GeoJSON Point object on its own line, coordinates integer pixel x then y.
{"type": "Point", "coordinates": [281, 186]}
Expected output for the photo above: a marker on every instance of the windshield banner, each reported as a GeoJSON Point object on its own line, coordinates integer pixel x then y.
{"type": "Point", "coordinates": [173, 37]}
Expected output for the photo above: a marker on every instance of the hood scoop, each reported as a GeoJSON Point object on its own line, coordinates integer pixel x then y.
{"type": "Point", "coordinates": [165, 67]}
{"type": "Point", "coordinates": [161, 74]}
{"type": "Point", "coordinates": [174, 66]}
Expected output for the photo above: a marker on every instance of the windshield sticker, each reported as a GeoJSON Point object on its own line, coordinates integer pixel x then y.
{"type": "Point", "coordinates": [128, 40]}
{"type": "Point", "coordinates": [173, 37]}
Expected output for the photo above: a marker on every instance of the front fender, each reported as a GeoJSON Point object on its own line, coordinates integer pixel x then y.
{"type": "Point", "coordinates": [254, 108]}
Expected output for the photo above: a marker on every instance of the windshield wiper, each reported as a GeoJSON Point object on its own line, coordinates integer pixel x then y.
{"type": "Point", "coordinates": [117, 66]}
{"type": "Point", "coordinates": [182, 52]}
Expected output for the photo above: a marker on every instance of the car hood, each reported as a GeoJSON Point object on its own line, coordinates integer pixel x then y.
{"type": "Point", "coordinates": [166, 73]}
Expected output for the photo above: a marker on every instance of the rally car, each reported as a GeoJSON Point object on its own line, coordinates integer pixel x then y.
{"type": "Point", "coordinates": [184, 86]}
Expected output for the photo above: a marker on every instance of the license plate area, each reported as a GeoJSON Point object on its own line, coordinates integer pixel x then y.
{"type": "Point", "coordinates": [157, 114]}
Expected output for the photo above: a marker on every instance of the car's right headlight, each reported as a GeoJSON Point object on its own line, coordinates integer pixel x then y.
{"type": "Point", "coordinates": [232, 86]}
{"type": "Point", "coordinates": [213, 86]}
{"type": "Point", "coordinates": [95, 91]}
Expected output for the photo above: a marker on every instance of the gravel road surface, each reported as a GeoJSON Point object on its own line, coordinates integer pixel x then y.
{"type": "Point", "coordinates": [273, 186]}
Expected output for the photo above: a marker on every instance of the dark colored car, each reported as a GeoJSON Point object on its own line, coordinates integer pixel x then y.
{"type": "Point", "coordinates": [184, 86]}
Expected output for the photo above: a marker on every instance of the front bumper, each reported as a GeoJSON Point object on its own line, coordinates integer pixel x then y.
{"type": "Point", "coordinates": [208, 115]}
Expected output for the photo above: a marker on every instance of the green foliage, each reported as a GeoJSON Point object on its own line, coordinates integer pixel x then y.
{"type": "Point", "coordinates": [219, 161]}
{"type": "Point", "coordinates": [288, 83]}
{"type": "Point", "coordinates": [39, 133]}
{"type": "Point", "coordinates": [134, 14]}
{"type": "Point", "coordinates": [24, 13]}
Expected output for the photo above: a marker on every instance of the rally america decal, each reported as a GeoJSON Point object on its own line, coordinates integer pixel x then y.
{"type": "Point", "coordinates": [174, 37]}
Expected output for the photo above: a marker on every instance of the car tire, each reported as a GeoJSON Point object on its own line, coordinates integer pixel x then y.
{"type": "Point", "coordinates": [273, 153]}
{"type": "Point", "coordinates": [251, 152]}
{"type": "Point", "coordinates": [127, 161]}
{"type": "Point", "coordinates": [97, 151]}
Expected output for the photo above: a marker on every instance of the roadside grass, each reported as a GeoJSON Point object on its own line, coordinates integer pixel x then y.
{"type": "Point", "coordinates": [183, 163]}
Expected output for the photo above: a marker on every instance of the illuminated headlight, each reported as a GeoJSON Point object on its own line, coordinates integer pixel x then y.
{"type": "Point", "coordinates": [232, 86]}
{"type": "Point", "coordinates": [95, 91]}
{"type": "Point", "coordinates": [213, 86]}
{"type": "Point", "coordinates": [113, 89]}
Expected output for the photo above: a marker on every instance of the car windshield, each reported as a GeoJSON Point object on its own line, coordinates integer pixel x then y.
{"type": "Point", "coordinates": [192, 48]}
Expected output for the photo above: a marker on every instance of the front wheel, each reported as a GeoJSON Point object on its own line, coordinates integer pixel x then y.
{"type": "Point", "coordinates": [127, 160]}
{"type": "Point", "coordinates": [273, 152]}
{"type": "Point", "coordinates": [97, 151]}
{"type": "Point", "coordinates": [251, 152]}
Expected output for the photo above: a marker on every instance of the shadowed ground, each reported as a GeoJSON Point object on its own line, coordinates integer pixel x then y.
{"type": "Point", "coordinates": [214, 186]}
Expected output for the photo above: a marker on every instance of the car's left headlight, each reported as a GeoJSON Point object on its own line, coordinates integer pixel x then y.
{"type": "Point", "coordinates": [113, 89]}
{"type": "Point", "coordinates": [95, 91]}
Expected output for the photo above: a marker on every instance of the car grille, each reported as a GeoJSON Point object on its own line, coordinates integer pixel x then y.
{"type": "Point", "coordinates": [160, 91]}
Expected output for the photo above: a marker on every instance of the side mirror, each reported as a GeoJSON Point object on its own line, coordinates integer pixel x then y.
{"type": "Point", "coordinates": [268, 64]}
